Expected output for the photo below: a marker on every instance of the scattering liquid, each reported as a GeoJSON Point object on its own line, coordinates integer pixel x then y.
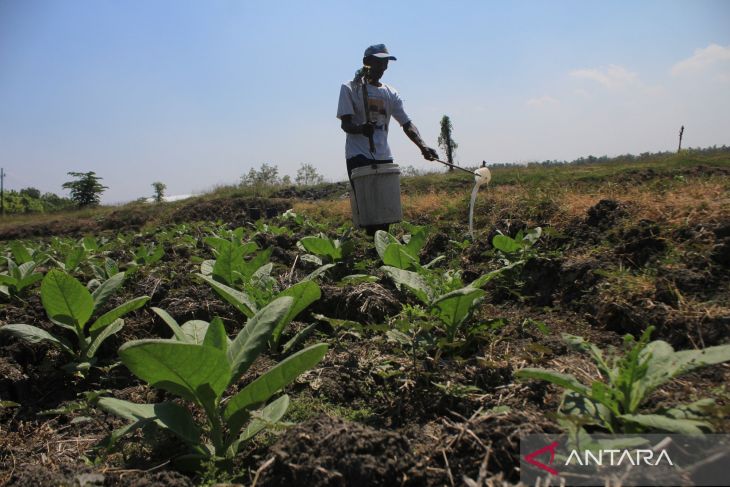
{"type": "Point", "coordinates": [482, 176]}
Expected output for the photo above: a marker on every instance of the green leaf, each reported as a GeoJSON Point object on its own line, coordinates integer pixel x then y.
{"type": "Point", "coordinates": [28, 281]}
{"type": "Point", "coordinates": [304, 294]}
{"type": "Point", "coordinates": [73, 258]}
{"type": "Point", "coordinates": [32, 334]}
{"type": "Point", "coordinates": [195, 331]}
{"type": "Point", "coordinates": [227, 260]}
{"type": "Point", "coordinates": [106, 289]}
{"type": "Point", "coordinates": [240, 300]}
{"type": "Point", "coordinates": [657, 422]}
{"type": "Point", "coordinates": [506, 244]}
{"type": "Point", "coordinates": [252, 339]}
{"type": "Point", "coordinates": [412, 281]}
{"type": "Point", "coordinates": [66, 300]}
{"type": "Point", "coordinates": [396, 255]}
{"type": "Point", "coordinates": [453, 308]}
{"type": "Point", "coordinates": [168, 415]}
{"type": "Point", "coordinates": [320, 246]}
{"type": "Point", "coordinates": [566, 381]}
{"type": "Point", "coordinates": [216, 335]}
{"type": "Point", "coordinates": [107, 318]}
{"type": "Point", "coordinates": [482, 280]}
{"type": "Point", "coordinates": [20, 252]}
{"type": "Point", "coordinates": [248, 268]}
{"type": "Point", "coordinates": [170, 321]}
{"type": "Point", "coordinates": [268, 384]}
{"type": "Point", "coordinates": [111, 267]}
{"type": "Point", "coordinates": [180, 368]}
{"type": "Point", "coordinates": [318, 272]}
{"type": "Point", "coordinates": [382, 240]}
{"type": "Point", "coordinates": [104, 333]}
{"type": "Point", "coordinates": [268, 416]}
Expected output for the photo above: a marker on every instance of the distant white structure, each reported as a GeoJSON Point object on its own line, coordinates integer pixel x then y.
{"type": "Point", "coordinates": [176, 197]}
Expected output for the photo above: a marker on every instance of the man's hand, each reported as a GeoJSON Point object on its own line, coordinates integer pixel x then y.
{"type": "Point", "coordinates": [429, 154]}
{"type": "Point", "coordinates": [367, 129]}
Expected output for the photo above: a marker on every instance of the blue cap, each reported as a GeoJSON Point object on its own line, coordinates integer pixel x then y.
{"type": "Point", "coordinates": [380, 51]}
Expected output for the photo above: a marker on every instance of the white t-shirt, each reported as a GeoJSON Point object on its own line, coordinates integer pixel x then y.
{"type": "Point", "coordinates": [384, 102]}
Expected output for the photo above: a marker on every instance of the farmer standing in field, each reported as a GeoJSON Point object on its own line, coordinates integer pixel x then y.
{"type": "Point", "coordinates": [367, 132]}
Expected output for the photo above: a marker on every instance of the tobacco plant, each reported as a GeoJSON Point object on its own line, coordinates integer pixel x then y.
{"type": "Point", "coordinates": [443, 293]}
{"type": "Point", "coordinates": [615, 402]}
{"type": "Point", "coordinates": [70, 305]}
{"type": "Point", "coordinates": [199, 365]}
{"type": "Point", "coordinates": [18, 278]}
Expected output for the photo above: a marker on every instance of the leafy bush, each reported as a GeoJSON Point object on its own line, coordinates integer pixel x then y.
{"type": "Point", "coordinates": [70, 305]}
{"type": "Point", "coordinates": [18, 277]}
{"type": "Point", "coordinates": [199, 365]}
{"type": "Point", "coordinates": [627, 380]}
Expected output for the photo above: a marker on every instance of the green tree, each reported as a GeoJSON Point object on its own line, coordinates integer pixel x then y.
{"type": "Point", "coordinates": [30, 192]}
{"type": "Point", "coordinates": [446, 142]}
{"type": "Point", "coordinates": [159, 191]}
{"type": "Point", "coordinates": [307, 175]}
{"type": "Point", "coordinates": [86, 189]}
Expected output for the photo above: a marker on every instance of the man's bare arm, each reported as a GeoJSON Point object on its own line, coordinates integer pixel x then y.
{"type": "Point", "coordinates": [353, 128]}
{"type": "Point", "coordinates": [415, 136]}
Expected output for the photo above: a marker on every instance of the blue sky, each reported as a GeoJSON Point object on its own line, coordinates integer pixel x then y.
{"type": "Point", "coordinates": [195, 93]}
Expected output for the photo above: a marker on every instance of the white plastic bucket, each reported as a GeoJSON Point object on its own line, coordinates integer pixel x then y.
{"type": "Point", "coordinates": [376, 199]}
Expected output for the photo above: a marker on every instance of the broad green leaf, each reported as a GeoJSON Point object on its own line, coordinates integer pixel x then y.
{"type": "Point", "coordinates": [25, 269]}
{"type": "Point", "coordinates": [416, 242]}
{"type": "Point", "coordinates": [657, 422]}
{"type": "Point", "coordinates": [566, 381]}
{"type": "Point", "coordinates": [412, 281]}
{"type": "Point", "coordinates": [90, 244]}
{"type": "Point", "coordinates": [454, 307]}
{"type": "Point", "coordinates": [240, 300]}
{"type": "Point", "coordinates": [66, 300]}
{"type": "Point", "coordinates": [20, 252]}
{"type": "Point", "coordinates": [253, 337]}
{"type": "Point", "coordinates": [228, 259]}
{"type": "Point", "coordinates": [506, 244]}
{"type": "Point", "coordinates": [268, 416]}
{"type": "Point", "coordinates": [174, 326]}
{"type": "Point", "coordinates": [103, 334]}
{"type": "Point", "coordinates": [195, 331]}
{"type": "Point", "coordinates": [111, 267]}
{"type": "Point", "coordinates": [382, 240]}
{"type": "Point", "coordinates": [180, 368]}
{"type": "Point", "coordinates": [28, 281]}
{"type": "Point", "coordinates": [206, 267]}
{"type": "Point", "coordinates": [248, 268]}
{"type": "Point", "coordinates": [32, 334]}
{"type": "Point", "coordinates": [304, 294]}
{"type": "Point", "coordinates": [320, 246]}
{"type": "Point", "coordinates": [664, 363]}
{"type": "Point", "coordinates": [216, 335]}
{"type": "Point", "coordinates": [102, 293]}
{"type": "Point", "coordinates": [107, 318]}
{"type": "Point", "coordinates": [73, 258]}
{"type": "Point", "coordinates": [275, 379]}
{"type": "Point", "coordinates": [482, 280]}
{"type": "Point", "coordinates": [168, 415]}
{"type": "Point", "coordinates": [8, 280]}
{"type": "Point", "coordinates": [579, 343]}
{"type": "Point", "coordinates": [318, 272]}
{"type": "Point", "coordinates": [396, 255]}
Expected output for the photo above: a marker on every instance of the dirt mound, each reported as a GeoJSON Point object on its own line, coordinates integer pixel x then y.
{"type": "Point", "coordinates": [368, 301]}
{"type": "Point", "coordinates": [320, 192]}
{"type": "Point", "coordinates": [236, 211]}
{"type": "Point", "coordinates": [326, 451]}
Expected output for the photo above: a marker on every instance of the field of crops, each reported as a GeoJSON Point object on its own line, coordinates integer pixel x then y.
{"type": "Point", "coordinates": [230, 339]}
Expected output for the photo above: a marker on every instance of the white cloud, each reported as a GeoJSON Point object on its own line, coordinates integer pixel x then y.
{"type": "Point", "coordinates": [702, 59]}
{"type": "Point", "coordinates": [543, 101]}
{"type": "Point", "coordinates": [612, 76]}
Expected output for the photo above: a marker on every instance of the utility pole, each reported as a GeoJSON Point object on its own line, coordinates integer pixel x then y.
{"type": "Point", "coordinates": [681, 131]}
{"type": "Point", "coordinates": [2, 192]}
